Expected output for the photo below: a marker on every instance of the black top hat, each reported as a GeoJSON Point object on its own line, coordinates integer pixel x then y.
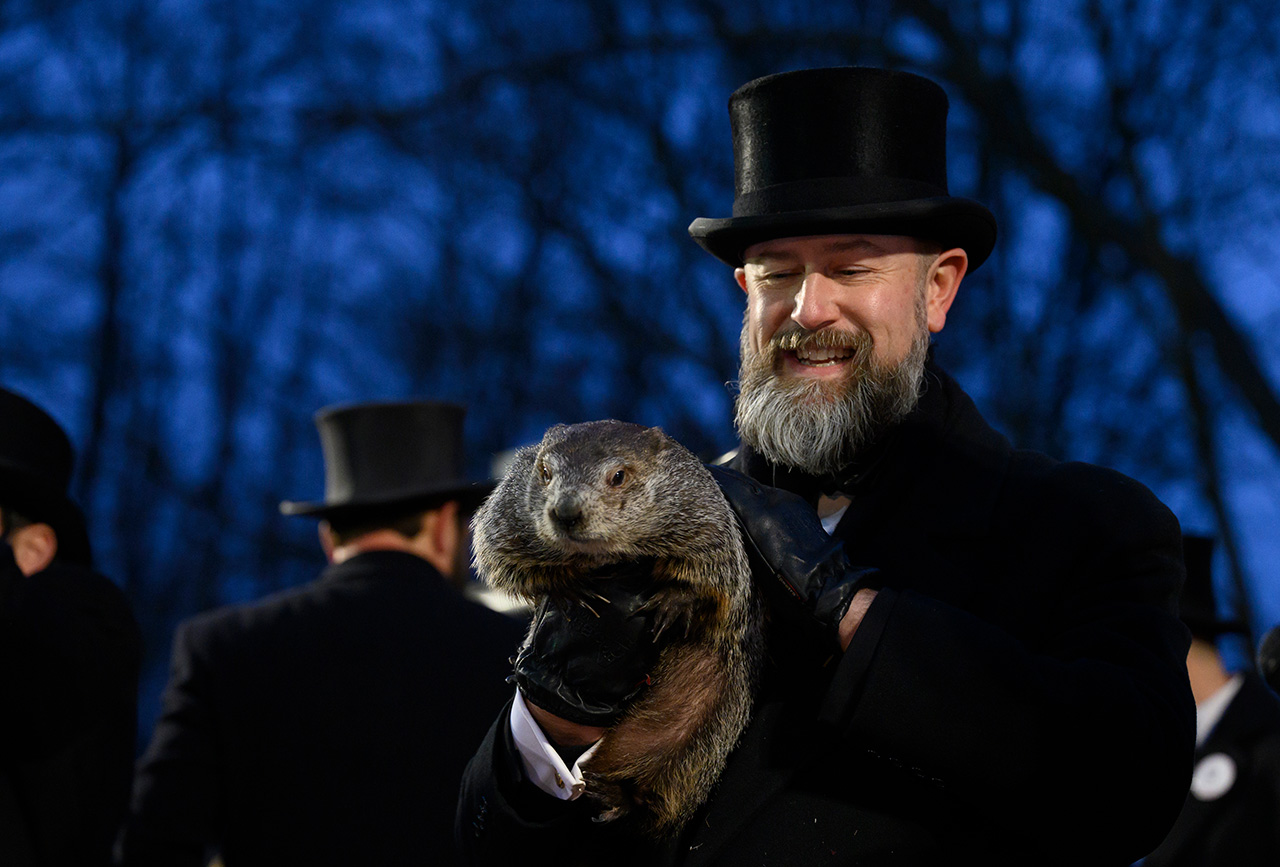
{"type": "Point", "coordinates": [1196, 606]}
{"type": "Point", "coordinates": [389, 455]}
{"type": "Point", "coordinates": [847, 150]}
{"type": "Point", "coordinates": [36, 460]}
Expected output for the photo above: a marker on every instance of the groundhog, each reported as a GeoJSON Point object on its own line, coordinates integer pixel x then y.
{"type": "Point", "coordinates": [608, 492]}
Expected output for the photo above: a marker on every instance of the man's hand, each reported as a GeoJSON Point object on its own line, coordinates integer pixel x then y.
{"type": "Point", "coordinates": [584, 662]}
{"type": "Point", "coordinates": [807, 576]}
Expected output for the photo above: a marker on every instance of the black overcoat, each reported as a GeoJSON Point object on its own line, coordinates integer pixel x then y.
{"type": "Point", "coordinates": [1232, 813]}
{"type": "Point", "coordinates": [70, 650]}
{"type": "Point", "coordinates": [325, 725]}
{"type": "Point", "coordinates": [1017, 693]}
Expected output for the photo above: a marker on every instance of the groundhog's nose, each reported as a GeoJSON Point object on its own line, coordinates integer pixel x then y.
{"type": "Point", "coordinates": [566, 512]}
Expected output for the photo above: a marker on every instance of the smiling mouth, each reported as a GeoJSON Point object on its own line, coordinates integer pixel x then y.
{"type": "Point", "coordinates": [822, 356]}
{"type": "Point", "coordinates": [827, 350]}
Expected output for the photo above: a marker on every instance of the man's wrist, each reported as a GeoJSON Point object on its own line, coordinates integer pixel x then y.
{"type": "Point", "coordinates": [561, 731]}
{"type": "Point", "coordinates": [548, 767]}
{"type": "Point", "coordinates": [853, 617]}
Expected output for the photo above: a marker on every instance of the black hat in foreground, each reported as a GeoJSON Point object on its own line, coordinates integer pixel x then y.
{"type": "Point", "coordinates": [1197, 607]}
{"type": "Point", "coordinates": [36, 460]}
{"type": "Point", "coordinates": [379, 455]}
{"type": "Point", "coordinates": [846, 150]}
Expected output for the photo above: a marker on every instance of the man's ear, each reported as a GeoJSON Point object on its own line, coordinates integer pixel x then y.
{"type": "Point", "coordinates": [740, 274]}
{"type": "Point", "coordinates": [34, 547]}
{"type": "Point", "coordinates": [444, 536]}
{"type": "Point", "coordinates": [941, 284]}
{"type": "Point", "coordinates": [327, 542]}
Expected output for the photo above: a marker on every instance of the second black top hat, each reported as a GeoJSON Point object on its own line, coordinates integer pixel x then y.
{"type": "Point", "coordinates": [1197, 606]}
{"type": "Point", "coordinates": [389, 454]}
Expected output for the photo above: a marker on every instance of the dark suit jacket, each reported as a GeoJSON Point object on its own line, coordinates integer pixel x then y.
{"type": "Point", "coordinates": [327, 724]}
{"type": "Point", "coordinates": [1017, 693]}
{"type": "Point", "coordinates": [1232, 814]}
{"type": "Point", "coordinates": [69, 656]}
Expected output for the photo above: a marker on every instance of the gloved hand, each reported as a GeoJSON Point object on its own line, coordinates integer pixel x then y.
{"type": "Point", "coordinates": [808, 579]}
{"type": "Point", "coordinates": [586, 660]}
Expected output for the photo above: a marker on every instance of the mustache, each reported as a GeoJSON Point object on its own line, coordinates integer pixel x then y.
{"type": "Point", "coordinates": [791, 337]}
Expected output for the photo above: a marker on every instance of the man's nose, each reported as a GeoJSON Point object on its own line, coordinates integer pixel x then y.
{"type": "Point", "coordinates": [815, 305]}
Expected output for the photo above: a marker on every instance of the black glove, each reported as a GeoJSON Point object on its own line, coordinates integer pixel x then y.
{"type": "Point", "coordinates": [812, 582]}
{"type": "Point", "coordinates": [587, 659]}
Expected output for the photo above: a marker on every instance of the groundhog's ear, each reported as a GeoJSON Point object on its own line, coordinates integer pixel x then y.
{"type": "Point", "coordinates": [524, 457]}
{"type": "Point", "coordinates": [659, 440]}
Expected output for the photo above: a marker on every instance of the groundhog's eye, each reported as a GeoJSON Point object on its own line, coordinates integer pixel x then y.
{"type": "Point", "coordinates": [618, 478]}
{"type": "Point", "coordinates": [544, 473]}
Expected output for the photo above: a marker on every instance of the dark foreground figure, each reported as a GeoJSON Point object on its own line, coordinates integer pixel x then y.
{"type": "Point", "coordinates": [70, 650]}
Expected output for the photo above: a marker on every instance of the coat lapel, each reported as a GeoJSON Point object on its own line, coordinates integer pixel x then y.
{"type": "Point", "coordinates": [948, 471]}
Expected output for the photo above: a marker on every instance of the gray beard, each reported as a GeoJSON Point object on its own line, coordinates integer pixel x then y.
{"type": "Point", "coordinates": [819, 426]}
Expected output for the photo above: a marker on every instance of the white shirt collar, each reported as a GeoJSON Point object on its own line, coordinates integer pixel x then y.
{"type": "Point", "coordinates": [1209, 711]}
{"type": "Point", "coordinates": [830, 521]}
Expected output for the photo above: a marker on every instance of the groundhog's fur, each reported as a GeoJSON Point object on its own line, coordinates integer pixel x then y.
{"type": "Point", "coordinates": [609, 492]}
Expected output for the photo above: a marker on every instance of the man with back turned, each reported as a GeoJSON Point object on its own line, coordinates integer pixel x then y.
{"type": "Point", "coordinates": [328, 724]}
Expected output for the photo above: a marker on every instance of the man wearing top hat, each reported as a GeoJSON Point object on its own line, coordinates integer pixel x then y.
{"type": "Point", "coordinates": [329, 724]}
{"type": "Point", "coordinates": [70, 650]}
{"type": "Point", "coordinates": [973, 653]}
{"type": "Point", "coordinates": [1232, 812]}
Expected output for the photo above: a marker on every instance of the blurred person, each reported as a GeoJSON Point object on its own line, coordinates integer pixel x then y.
{"type": "Point", "coordinates": [1232, 813]}
{"type": "Point", "coordinates": [974, 656]}
{"type": "Point", "coordinates": [70, 651]}
{"type": "Point", "coordinates": [1268, 658]}
{"type": "Point", "coordinates": [329, 724]}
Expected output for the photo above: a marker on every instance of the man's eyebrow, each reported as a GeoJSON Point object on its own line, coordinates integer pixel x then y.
{"type": "Point", "coordinates": [846, 245]}
{"type": "Point", "coordinates": [852, 245]}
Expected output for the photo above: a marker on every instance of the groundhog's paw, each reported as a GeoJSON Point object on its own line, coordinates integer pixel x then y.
{"type": "Point", "coordinates": [614, 797]}
{"type": "Point", "coordinates": [609, 815]}
{"type": "Point", "coordinates": [679, 613]}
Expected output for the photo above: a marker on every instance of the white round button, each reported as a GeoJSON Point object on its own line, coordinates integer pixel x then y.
{"type": "Point", "coordinates": [1214, 776]}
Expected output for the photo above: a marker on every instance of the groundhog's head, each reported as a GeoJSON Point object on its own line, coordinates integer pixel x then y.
{"type": "Point", "coordinates": [607, 487]}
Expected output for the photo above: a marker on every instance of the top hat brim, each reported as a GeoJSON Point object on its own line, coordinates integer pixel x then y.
{"type": "Point", "coordinates": [30, 496]}
{"type": "Point", "coordinates": [952, 221]}
{"type": "Point", "coordinates": [1197, 607]}
{"type": "Point", "coordinates": [468, 494]}
{"type": "Point", "coordinates": [1210, 628]}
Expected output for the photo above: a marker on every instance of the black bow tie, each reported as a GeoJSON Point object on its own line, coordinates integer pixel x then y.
{"type": "Point", "coordinates": [848, 481]}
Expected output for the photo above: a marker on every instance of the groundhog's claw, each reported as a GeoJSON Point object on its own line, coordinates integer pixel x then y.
{"type": "Point", "coordinates": [679, 612]}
